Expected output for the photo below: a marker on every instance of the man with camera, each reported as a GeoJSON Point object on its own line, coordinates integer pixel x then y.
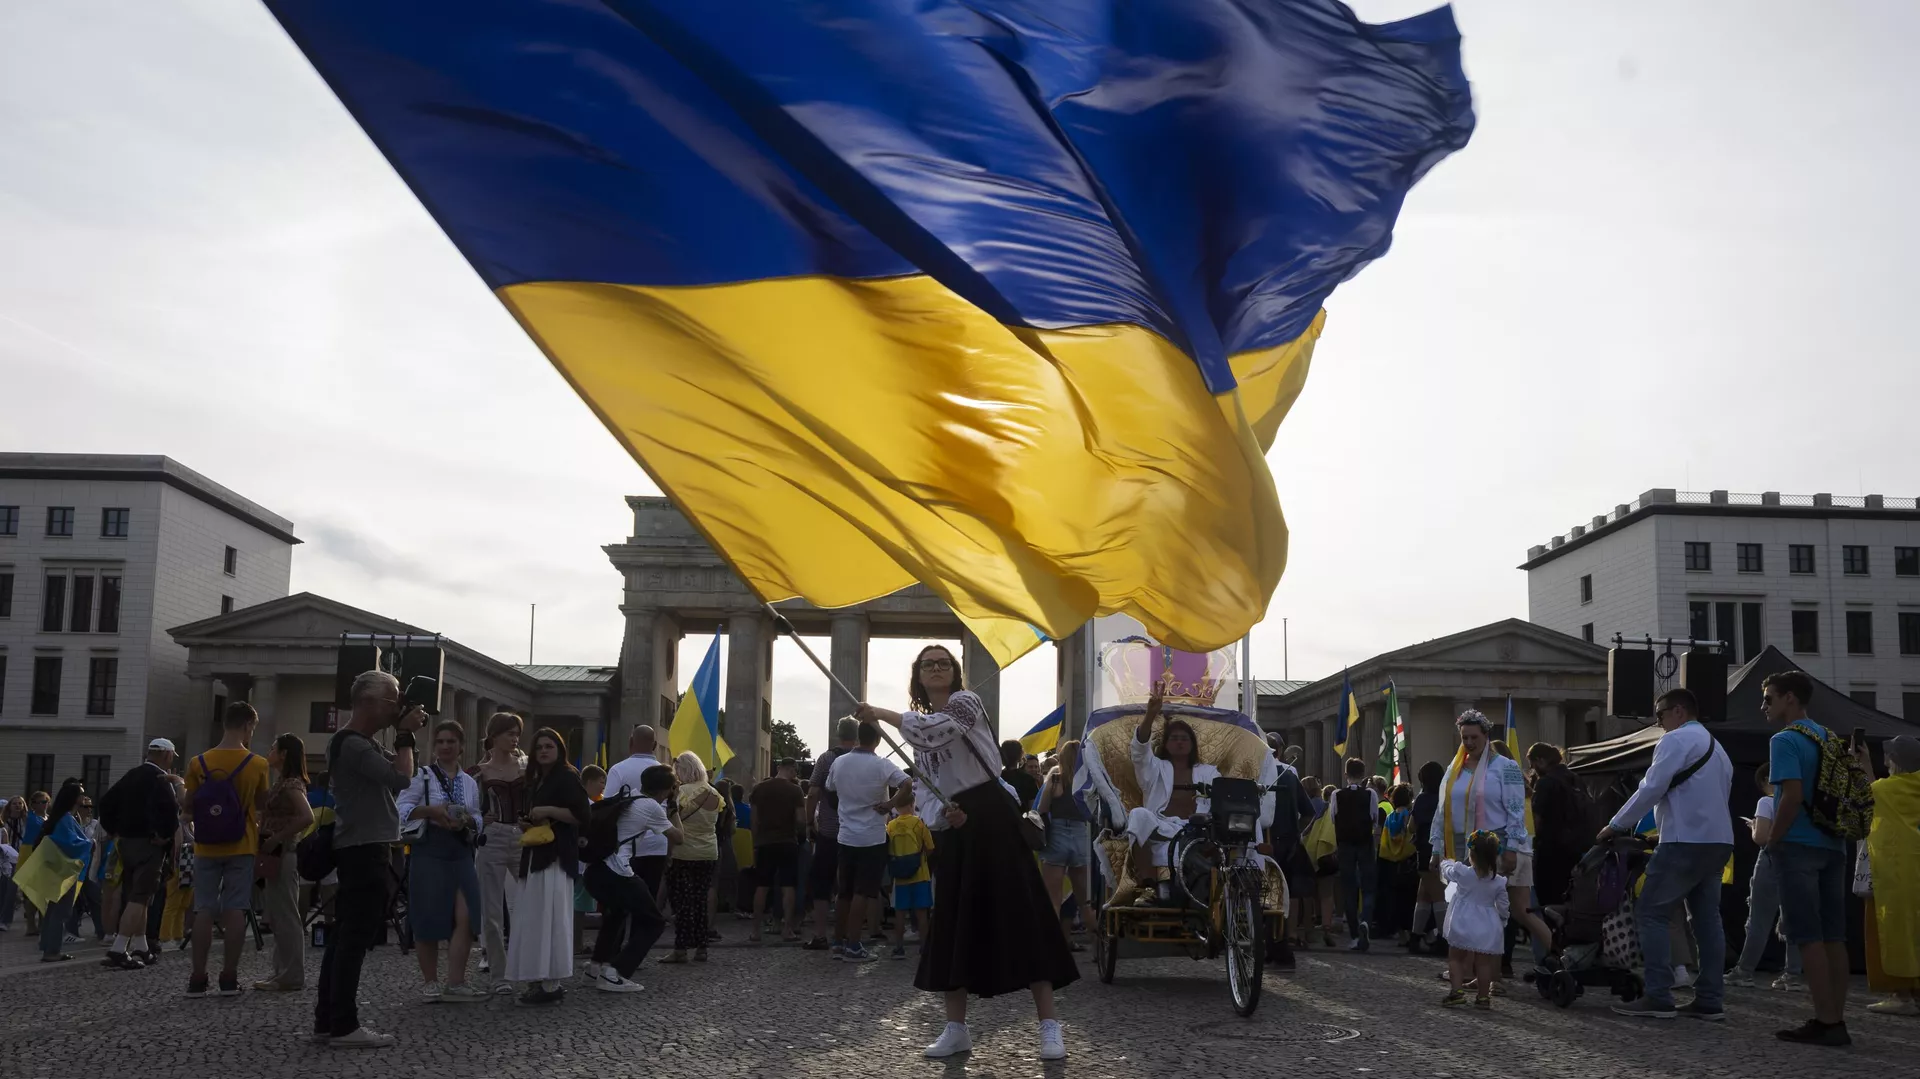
{"type": "Point", "coordinates": [365, 782]}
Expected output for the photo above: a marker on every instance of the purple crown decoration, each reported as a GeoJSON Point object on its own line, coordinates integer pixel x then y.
{"type": "Point", "coordinates": [1134, 664]}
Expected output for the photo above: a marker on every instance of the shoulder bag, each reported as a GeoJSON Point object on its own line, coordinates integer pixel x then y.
{"type": "Point", "coordinates": [1033, 830]}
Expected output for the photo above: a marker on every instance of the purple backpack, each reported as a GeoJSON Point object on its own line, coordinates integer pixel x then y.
{"type": "Point", "coordinates": [1612, 882]}
{"type": "Point", "coordinates": [218, 816]}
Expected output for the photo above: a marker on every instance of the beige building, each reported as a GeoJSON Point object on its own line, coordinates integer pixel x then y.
{"type": "Point", "coordinates": [283, 657]}
{"type": "Point", "coordinates": [1558, 684]}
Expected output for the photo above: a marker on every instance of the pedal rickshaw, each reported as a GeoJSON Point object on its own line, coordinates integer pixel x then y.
{"type": "Point", "coordinates": [1220, 896]}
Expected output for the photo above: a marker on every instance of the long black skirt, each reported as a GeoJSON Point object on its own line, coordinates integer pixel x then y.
{"type": "Point", "coordinates": [993, 929]}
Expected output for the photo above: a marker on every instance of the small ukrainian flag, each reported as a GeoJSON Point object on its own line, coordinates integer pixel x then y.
{"type": "Point", "coordinates": [1045, 734]}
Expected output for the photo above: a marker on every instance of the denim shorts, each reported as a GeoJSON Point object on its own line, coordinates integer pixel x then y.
{"type": "Point", "coordinates": [1066, 843]}
{"type": "Point", "coordinates": [222, 884]}
{"type": "Point", "coordinates": [1813, 892]}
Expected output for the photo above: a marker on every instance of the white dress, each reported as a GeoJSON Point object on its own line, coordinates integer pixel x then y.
{"type": "Point", "coordinates": [541, 948]}
{"type": "Point", "coordinates": [1477, 909]}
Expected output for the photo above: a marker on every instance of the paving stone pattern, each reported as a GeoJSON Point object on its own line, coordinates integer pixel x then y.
{"type": "Point", "coordinates": [778, 1011]}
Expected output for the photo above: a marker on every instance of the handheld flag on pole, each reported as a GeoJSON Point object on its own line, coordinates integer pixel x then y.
{"type": "Point", "coordinates": [1513, 732]}
{"type": "Point", "coordinates": [1348, 719]}
{"type": "Point", "coordinates": [1393, 737]}
{"type": "Point", "coordinates": [696, 723]}
{"type": "Point", "coordinates": [1045, 734]}
{"type": "Point", "coordinates": [1005, 298]}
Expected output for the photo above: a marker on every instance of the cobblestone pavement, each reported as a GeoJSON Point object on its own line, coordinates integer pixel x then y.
{"type": "Point", "coordinates": [777, 1011]}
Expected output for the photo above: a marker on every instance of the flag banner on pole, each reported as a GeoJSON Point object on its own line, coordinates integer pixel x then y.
{"type": "Point", "coordinates": [696, 723]}
{"type": "Point", "coordinates": [1393, 737]}
{"type": "Point", "coordinates": [1045, 734]}
{"type": "Point", "coordinates": [1348, 719]}
{"type": "Point", "coordinates": [1004, 297]}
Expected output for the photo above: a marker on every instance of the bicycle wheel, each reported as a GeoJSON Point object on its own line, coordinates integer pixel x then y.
{"type": "Point", "coordinates": [1244, 927]}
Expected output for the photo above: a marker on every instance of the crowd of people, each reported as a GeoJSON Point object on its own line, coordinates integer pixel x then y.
{"type": "Point", "coordinates": [513, 854]}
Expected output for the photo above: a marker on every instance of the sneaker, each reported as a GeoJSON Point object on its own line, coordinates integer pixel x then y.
{"type": "Point", "coordinates": [73, 938]}
{"type": "Point", "coordinates": [361, 1038]}
{"type": "Point", "coordinates": [1357, 944]}
{"type": "Point", "coordinates": [1053, 1044]}
{"type": "Point", "coordinates": [1453, 999]}
{"type": "Point", "coordinates": [462, 994]}
{"type": "Point", "coordinates": [432, 993]}
{"type": "Point", "coordinates": [229, 987]}
{"type": "Point", "coordinates": [1644, 1009]}
{"type": "Point", "coordinates": [612, 982]}
{"type": "Point", "coordinates": [1789, 983]}
{"type": "Point", "coordinates": [1814, 1032]}
{"type": "Point", "coordinates": [816, 944]}
{"type": "Point", "coordinates": [150, 957]}
{"type": "Point", "coordinates": [856, 953]}
{"type": "Point", "coordinates": [900, 952]}
{"type": "Point", "coordinates": [1484, 1003]}
{"type": "Point", "coordinates": [1682, 977]}
{"type": "Point", "coordinates": [1895, 1006]}
{"type": "Point", "coordinates": [123, 961]}
{"type": "Point", "coordinates": [592, 972]}
{"type": "Point", "coordinates": [1693, 1010]}
{"type": "Point", "coordinates": [196, 987]}
{"type": "Point", "coordinates": [953, 1041]}
{"type": "Point", "coordinates": [1739, 979]}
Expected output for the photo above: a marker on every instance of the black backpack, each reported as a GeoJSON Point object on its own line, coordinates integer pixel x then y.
{"type": "Point", "coordinates": [601, 837]}
{"type": "Point", "coordinates": [313, 855]}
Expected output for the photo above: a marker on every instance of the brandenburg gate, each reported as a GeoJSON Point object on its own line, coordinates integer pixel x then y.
{"type": "Point", "coordinates": [676, 584]}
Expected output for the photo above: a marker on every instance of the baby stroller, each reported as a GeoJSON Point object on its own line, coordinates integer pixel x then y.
{"type": "Point", "coordinates": [1599, 903]}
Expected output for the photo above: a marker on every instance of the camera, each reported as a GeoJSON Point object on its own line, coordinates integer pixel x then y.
{"type": "Point", "coordinates": [421, 692]}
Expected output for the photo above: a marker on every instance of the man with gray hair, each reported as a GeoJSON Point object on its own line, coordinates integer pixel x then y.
{"type": "Point", "coordinates": [365, 781]}
{"type": "Point", "coordinates": [823, 809]}
{"type": "Point", "coordinates": [140, 813]}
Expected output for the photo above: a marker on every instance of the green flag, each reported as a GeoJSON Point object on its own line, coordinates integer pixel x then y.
{"type": "Point", "coordinates": [1393, 738]}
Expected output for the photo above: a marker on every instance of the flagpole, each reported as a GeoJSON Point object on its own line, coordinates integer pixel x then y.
{"type": "Point", "coordinates": [786, 627]}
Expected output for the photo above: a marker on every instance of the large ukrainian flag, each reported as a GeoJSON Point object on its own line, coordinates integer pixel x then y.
{"type": "Point", "coordinates": [1003, 296]}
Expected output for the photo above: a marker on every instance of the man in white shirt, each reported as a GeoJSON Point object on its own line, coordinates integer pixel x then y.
{"type": "Point", "coordinates": [630, 921]}
{"type": "Point", "coordinates": [861, 780]}
{"type": "Point", "coordinates": [649, 853]}
{"type": "Point", "coordinates": [1686, 786]}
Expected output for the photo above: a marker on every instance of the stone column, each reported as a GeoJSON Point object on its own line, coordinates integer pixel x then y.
{"type": "Point", "coordinates": [848, 659]}
{"type": "Point", "coordinates": [1314, 761]}
{"type": "Point", "coordinates": [265, 700]}
{"type": "Point", "coordinates": [187, 734]}
{"type": "Point", "coordinates": [1550, 725]}
{"type": "Point", "coordinates": [983, 675]}
{"type": "Point", "coordinates": [1070, 680]}
{"type": "Point", "coordinates": [648, 654]}
{"type": "Point", "coordinates": [749, 688]}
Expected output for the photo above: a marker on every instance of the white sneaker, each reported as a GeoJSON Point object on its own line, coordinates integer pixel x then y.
{"type": "Point", "coordinates": [1053, 1044]}
{"type": "Point", "coordinates": [1739, 979]}
{"type": "Point", "coordinates": [1682, 977]}
{"type": "Point", "coordinates": [432, 993]}
{"type": "Point", "coordinates": [502, 988]}
{"type": "Point", "coordinates": [361, 1038]}
{"type": "Point", "coordinates": [1788, 983]}
{"type": "Point", "coordinates": [611, 982]}
{"type": "Point", "coordinates": [592, 972]}
{"type": "Point", "coordinates": [953, 1041]}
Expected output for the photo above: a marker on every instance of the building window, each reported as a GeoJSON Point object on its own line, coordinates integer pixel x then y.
{"type": "Point", "coordinates": [1865, 696]}
{"type": "Point", "coordinates": [1799, 558]}
{"type": "Point", "coordinates": [1586, 632]}
{"type": "Point", "coordinates": [113, 522]}
{"type": "Point", "coordinates": [1748, 557]}
{"type": "Point", "coordinates": [1806, 632]}
{"type": "Point", "coordinates": [1910, 706]}
{"type": "Point", "coordinates": [1750, 631]}
{"type": "Point", "coordinates": [9, 520]}
{"type": "Point", "coordinates": [95, 772]}
{"type": "Point", "coordinates": [1910, 633]}
{"type": "Point", "coordinates": [53, 610]}
{"type": "Point", "coordinates": [6, 595]}
{"type": "Point", "coordinates": [1860, 633]}
{"type": "Point", "coordinates": [103, 674]}
{"type": "Point", "coordinates": [226, 604]}
{"type": "Point", "coordinates": [1700, 621]}
{"type": "Point", "coordinates": [1906, 561]}
{"type": "Point", "coordinates": [1853, 560]}
{"type": "Point", "coordinates": [231, 561]}
{"type": "Point", "coordinates": [1700, 557]}
{"type": "Point", "coordinates": [59, 520]}
{"type": "Point", "coordinates": [1586, 589]}
{"type": "Point", "coordinates": [46, 686]}
{"type": "Point", "coordinates": [82, 620]}
{"type": "Point", "coordinates": [39, 772]}
{"type": "Point", "coordinates": [3, 683]}
{"type": "Point", "coordinates": [109, 604]}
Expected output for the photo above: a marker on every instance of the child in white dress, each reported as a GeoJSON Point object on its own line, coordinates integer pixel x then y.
{"type": "Point", "coordinates": [1477, 910]}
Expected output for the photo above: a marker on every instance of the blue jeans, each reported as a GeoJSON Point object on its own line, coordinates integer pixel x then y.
{"type": "Point", "coordinates": [1763, 909]}
{"type": "Point", "coordinates": [53, 925]}
{"type": "Point", "coordinates": [1684, 873]}
{"type": "Point", "coordinates": [1358, 873]}
{"type": "Point", "coordinates": [1813, 892]}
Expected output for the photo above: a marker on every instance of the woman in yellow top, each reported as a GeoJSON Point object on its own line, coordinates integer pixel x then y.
{"type": "Point", "coordinates": [1893, 910]}
{"type": "Point", "coordinates": [909, 853]}
{"type": "Point", "coordinates": [690, 873]}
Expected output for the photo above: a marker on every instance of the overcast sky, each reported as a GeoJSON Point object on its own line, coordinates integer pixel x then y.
{"type": "Point", "coordinates": [1675, 254]}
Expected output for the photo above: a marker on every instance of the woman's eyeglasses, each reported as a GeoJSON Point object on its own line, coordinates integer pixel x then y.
{"type": "Point", "coordinates": [936, 665]}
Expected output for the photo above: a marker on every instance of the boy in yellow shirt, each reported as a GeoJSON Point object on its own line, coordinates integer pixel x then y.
{"type": "Point", "coordinates": [909, 849]}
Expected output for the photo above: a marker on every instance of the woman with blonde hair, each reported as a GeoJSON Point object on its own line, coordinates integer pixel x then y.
{"type": "Point", "coordinates": [690, 873]}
